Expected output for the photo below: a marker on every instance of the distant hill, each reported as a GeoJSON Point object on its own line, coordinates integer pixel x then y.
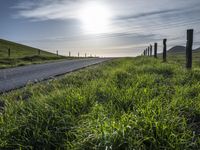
{"type": "Point", "coordinates": [19, 50]}
{"type": "Point", "coordinates": [197, 49]}
{"type": "Point", "coordinates": [180, 49]}
{"type": "Point", "coordinates": [177, 49]}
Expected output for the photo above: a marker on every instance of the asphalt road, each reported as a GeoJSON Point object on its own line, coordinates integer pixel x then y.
{"type": "Point", "coordinates": [14, 78]}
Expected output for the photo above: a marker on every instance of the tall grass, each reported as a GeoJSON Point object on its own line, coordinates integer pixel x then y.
{"type": "Point", "coordinates": [130, 103]}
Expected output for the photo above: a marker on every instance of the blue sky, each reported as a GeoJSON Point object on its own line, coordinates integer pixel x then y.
{"type": "Point", "coordinates": [117, 28]}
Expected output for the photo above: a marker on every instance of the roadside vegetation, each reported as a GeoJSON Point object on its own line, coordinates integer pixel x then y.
{"type": "Point", "coordinates": [127, 103]}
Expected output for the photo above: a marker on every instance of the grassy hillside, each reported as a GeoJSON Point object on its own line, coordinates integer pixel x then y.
{"type": "Point", "coordinates": [177, 49]}
{"type": "Point", "coordinates": [127, 103]}
{"type": "Point", "coordinates": [178, 55]}
{"type": "Point", "coordinates": [22, 55]}
{"type": "Point", "coordinates": [19, 50]}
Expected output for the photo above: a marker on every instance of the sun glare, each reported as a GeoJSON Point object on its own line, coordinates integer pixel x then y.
{"type": "Point", "coordinates": [95, 18]}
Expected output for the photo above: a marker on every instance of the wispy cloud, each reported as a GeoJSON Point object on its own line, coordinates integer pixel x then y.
{"type": "Point", "coordinates": [47, 10]}
{"type": "Point", "coordinates": [147, 14]}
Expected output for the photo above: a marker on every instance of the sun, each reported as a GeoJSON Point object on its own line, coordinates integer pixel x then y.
{"type": "Point", "coordinates": [95, 18]}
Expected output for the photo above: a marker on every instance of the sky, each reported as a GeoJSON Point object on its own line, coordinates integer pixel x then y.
{"type": "Point", "coordinates": [105, 28]}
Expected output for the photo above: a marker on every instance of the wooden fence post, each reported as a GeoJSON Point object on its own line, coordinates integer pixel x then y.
{"type": "Point", "coordinates": [69, 54]}
{"type": "Point", "coordinates": [164, 50]}
{"type": "Point", "coordinates": [38, 51]}
{"type": "Point", "coordinates": [85, 55]}
{"type": "Point", "coordinates": [155, 49]}
{"type": "Point", "coordinates": [146, 51]}
{"type": "Point", "coordinates": [150, 50]}
{"type": "Point", "coordinates": [78, 54]}
{"type": "Point", "coordinates": [57, 53]}
{"type": "Point", "coordinates": [189, 48]}
{"type": "Point", "coordinates": [9, 52]}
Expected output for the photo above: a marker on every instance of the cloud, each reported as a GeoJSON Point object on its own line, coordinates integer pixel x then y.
{"type": "Point", "coordinates": [147, 14]}
{"type": "Point", "coordinates": [47, 10]}
{"type": "Point", "coordinates": [24, 5]}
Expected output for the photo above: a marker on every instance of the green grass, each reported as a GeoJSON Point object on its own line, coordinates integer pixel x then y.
{"type": "Point", "coordinates": [128, 103]}
{"type": "Point", "coordinates": [23, 55]}
{"type": "Point", "coordinates": [179, 57]}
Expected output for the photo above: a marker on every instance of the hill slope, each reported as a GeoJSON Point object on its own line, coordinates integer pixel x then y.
{"type": "Point", "coordinates": [19, 50]}
{"type": "Point", "coordinates": [22, 55]}
{"type": "Point", "coordinates": [177, 49]}
{"type": "Point", "coordinates": [181, 49]}
{"type": "Point", "coordinates": [197, 49]}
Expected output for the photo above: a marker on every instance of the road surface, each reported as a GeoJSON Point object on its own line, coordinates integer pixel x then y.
{"type": "Point", "coordinates": [14, 78]}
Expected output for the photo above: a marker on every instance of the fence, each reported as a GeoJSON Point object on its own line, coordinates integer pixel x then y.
{"type": "Point", "coordinates": [189, 44]}
{"type": "Point", "coordinates": [57, 53]}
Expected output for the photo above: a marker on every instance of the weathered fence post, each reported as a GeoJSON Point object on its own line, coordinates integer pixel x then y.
{"type": "Point", "coordinates": [85, 55]}
{"type": "Point", "coordinates": [8, 52]}
{"type": "Point", "coordinates": [164, 50]}
{"type": "Point", "coordinates": [69, 54]}
{"type": "Point", "coordinates": [150, 50]}
{"type": "Point", "coordinates": [38, 51]}
{"type": "Point", "coordinates": [146, 51]}
{"type": "Point", "coordinates": [155, 50]}
{"type": "Point", "coordinates": [57, 53]}
{"type": "Point", "coordinates": [78, 54]}
{"type": "Point", "coordinates": [189, 48]}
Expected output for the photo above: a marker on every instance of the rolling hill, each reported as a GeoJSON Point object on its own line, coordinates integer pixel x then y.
{"type": "Point", "coordinates": [23, 55]}
{"type": "Point", "coordinates": [197, 49]}
{"type": "Point", "coordinates": [19, 50]}
{"type": "Point", "coordinates": [177, 49]}
{"type": "Point", "coordinates": [181, 49]}
{"type": "Point", "coordinates": [178, 54]}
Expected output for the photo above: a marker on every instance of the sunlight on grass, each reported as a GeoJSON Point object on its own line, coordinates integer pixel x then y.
{"type": "Point", "coordinates": [129, 103]}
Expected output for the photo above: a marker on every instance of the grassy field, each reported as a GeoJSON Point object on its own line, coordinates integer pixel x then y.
{"type": "Point", "coordinates": [23, 55]}
{"type": "Point", "coordinates": [127, 103]}
{"type": "Point", "coordinates": [179, 57]}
